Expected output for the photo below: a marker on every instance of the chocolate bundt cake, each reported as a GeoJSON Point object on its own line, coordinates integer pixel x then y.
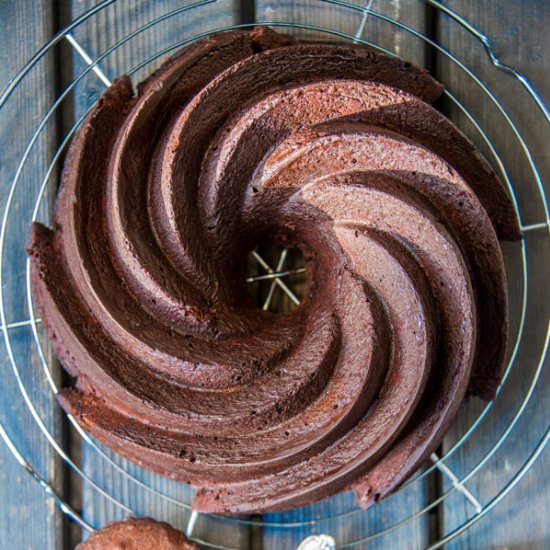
{"type": "Point", "coordinates": [137, 534]}
{"type": "Point", "coordinates": [334, 149]}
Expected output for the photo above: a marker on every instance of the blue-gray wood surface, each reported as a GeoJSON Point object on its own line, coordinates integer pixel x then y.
{"type": "Point", "coordinates": [29, 519]}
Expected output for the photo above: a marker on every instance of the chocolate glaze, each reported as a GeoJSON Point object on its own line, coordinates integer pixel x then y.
{"type": "Point", "coordinates": [137, 534]}
{"type": "Point", "coordinates": [326, 147]}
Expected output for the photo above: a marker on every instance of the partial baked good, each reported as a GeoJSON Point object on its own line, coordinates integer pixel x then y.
{"type": "Point", "coordinates": [330, 148]}
{"type": "Point", "coordinates": [137, 534]}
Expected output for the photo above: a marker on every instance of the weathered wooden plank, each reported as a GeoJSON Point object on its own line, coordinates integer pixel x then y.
{"type": "Point", "coordinates": [376, 27]}
{"type": "Point", "coordinates": [357, 525]}
{"type": "Point", "coordinates": [28, 518]}
{"type": "Point", "coordinates": [96, 36]}
{"type": "Point", "coordinates": [517, 31]}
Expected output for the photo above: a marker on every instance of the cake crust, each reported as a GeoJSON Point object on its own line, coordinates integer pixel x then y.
{"type": "Point", "coordinates": [330, 148]}
{"type": "Point", "coordinates": [137, 534]}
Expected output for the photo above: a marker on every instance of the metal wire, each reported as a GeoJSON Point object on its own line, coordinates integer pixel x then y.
{"type": "Point", "coordinates": [438, 462]}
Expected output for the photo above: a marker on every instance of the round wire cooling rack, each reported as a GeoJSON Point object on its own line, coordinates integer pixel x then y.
{"type": "Point", "coordinates": [121, 488]}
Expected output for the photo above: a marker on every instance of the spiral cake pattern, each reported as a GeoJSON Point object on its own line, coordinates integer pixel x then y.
{"type": "Point", "coordinates": [329, 148]}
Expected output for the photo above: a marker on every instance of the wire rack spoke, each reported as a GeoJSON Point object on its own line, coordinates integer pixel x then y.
{"type": "Point", "coordinates": [276, 275]}
{"type": "Point", "coordinates": [277, 281]}
{"type": "Point", "coordinates": [280, 265]}
{"type": "Point", "coordinates": [191, 523]}
{"type": "Point", "coordinates": [87, 58]}
{"type": "Point", "coordinates": [364, 19]}
{"type": "Point", "coordinates": [535, 226]}
{"type": "Point", "coordinates": [441, 466]}
{"type": "Point", "coordinates": [26, 323]}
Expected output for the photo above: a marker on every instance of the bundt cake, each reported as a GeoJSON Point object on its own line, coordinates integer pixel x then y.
{"type": "Point", "coordinates": [333, 149]}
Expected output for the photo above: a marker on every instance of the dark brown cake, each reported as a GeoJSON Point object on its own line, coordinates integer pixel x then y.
{"type": "Point", "coordinates": [137, 534]}
{"type": "Point", "coordinates": [329, 148]}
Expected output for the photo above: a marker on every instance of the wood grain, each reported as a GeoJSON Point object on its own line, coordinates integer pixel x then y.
{"type": "Point", "coordinates": [28, 518]}
{"type": "Point", "coordinates": [516, 30]}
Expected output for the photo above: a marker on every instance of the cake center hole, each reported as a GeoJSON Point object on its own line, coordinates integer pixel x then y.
{"type": "Point", "coordinates": [275, 277]}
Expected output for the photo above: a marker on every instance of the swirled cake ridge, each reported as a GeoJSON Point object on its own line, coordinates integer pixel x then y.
{"type": "Point", "coordinates": [330, 148]}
